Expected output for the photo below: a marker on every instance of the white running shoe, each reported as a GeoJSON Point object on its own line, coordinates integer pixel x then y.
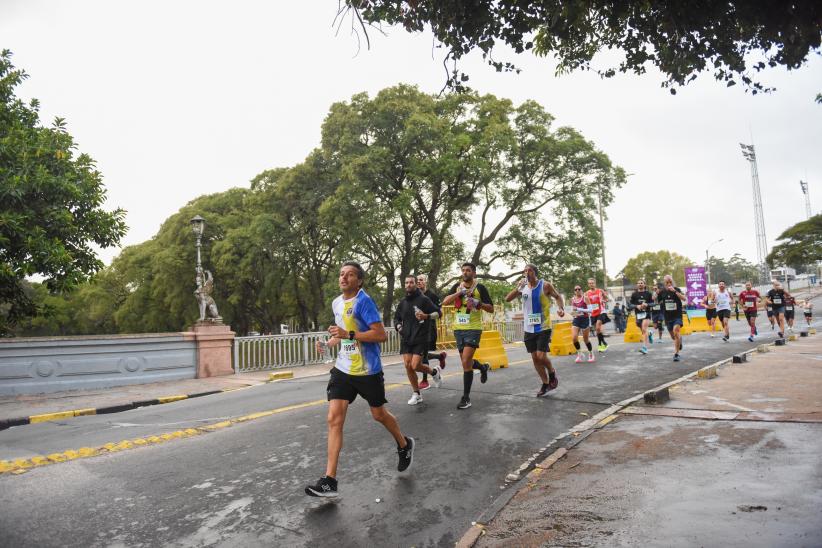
{"type": "Point", "coordinates": [591, 358]}
{"type": "Point", "coordinates": [415, 399]}
{"type": "Point", "coordinates": [712, 335]}
{"type": "Point", "coordinates": [436, 376]}
{"type": "Point", "coordinates": [579, 358]}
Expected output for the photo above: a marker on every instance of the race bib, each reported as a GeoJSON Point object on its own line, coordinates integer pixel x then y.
{"type": "Point", "coordinates": [789, 308]}
{"type": "Point", "coordinates": [348, 348]}
{"type": "Point", "coordinates": [595, 306]}
{"type": "Point", "coordinates": [710, 302]}
{"type": "Point", "coordinates": [463, 319]}
{"type": "Point", "coordinates": [533, 319]}
{"type": "Point", "coordinates": [749, 304]}
{"type": "Point", "coordinates": [777, 300]}
{"type": "Point", "coordinates": [641, 315]}
{"type": "Point", "coordinates": [670, 306]}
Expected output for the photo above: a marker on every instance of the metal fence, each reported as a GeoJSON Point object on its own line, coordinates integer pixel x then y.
{"type": "Point", "coordinates": [265, 352]}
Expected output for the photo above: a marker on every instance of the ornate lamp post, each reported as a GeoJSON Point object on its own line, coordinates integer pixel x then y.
{"type": "Point", "coordinates": [198, 226]}
{"type": "Point", "coordinates": [205, 283]}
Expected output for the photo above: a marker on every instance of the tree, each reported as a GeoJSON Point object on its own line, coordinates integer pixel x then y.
{"type": "Point", "coordinates": [680, 39]}
{"type": "Point", "coordinates": [652, 266]}
{"type": "Point", "coordinates": [737, 269]}
{"type": "Point", "coordinates": [801, 244]}
{"type": "Point", "coordinates": [51, 200]}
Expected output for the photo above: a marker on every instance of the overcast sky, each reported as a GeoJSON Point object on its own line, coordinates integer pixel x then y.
{"type": "Point", "coordinates": [178, 99]}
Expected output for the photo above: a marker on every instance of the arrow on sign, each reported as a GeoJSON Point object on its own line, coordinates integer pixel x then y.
{"type": "Point", "coordinates": [696, 285]}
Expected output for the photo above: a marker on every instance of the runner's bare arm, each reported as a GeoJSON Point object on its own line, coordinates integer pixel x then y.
{"type": "Point", "coordinates": [513, 294]}
{"type": "Point", "coordinates": [448, 299]}
{"type": "Point", "coordinates": [375, 334]}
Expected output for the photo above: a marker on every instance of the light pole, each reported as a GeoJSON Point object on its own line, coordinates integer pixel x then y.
{"type": "Point", "coordinates": [198, 226]}
{"type": "Point", "coordinates": [708, 264]}
{"type": "Point", "coordinates": [602, 237]}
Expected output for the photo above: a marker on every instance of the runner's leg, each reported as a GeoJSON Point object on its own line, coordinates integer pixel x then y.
{"type": "Point", "coordinates": [389, 421]}
{"type": "Point", "coordinates": [407, 360]}
{"type": "Point", "coordinates": [337, 410]}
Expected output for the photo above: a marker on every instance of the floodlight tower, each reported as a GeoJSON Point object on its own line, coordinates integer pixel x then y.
{"type": "Point", "coordinates": [759, 220]}
{"type": "Point", "coordinates": [804, 186]}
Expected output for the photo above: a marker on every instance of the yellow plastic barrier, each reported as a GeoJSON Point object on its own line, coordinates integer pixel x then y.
{"type": "Point", "coordinates": [561, 342]}
{"type": "Point", "coordinates": [491, 350]}
{"type": "Point", "coordinates": [699, 324]}
{"type": "Point", "coordinates": [686, 326]}
{"type": "Point", "coordinates": [632, 332]}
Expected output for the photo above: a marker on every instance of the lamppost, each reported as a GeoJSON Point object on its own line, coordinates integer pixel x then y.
{"type": "Point", "coordinates": [198, 226]}
{"type": "Point", "coordinates": [708, 264]}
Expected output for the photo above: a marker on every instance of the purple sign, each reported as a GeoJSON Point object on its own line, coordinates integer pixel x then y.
{"type": "Point", "coordinates": [695, 286]}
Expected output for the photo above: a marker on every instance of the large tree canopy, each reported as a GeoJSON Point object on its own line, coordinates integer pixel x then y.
{"type": "Point", "coordinates": [733, 39]}
{"type": "Point", "coordinates": [653, 265]}
{"type": "Point", "coordinates": [800, 245]}
{"type": "Point", "coordinates": [51, 200]}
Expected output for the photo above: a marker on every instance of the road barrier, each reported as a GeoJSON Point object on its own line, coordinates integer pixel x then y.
{"type": "Point", "coordinates": [491, 350]}
{"type": "Point", "coordinates": [562, 344]}
{"type": "Point", "coordinates": [632, 332]}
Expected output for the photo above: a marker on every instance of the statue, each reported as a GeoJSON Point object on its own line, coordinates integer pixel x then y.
{"type": "Point", "coordinates": [208, 308]}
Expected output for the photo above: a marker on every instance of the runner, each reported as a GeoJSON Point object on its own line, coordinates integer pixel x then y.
{"type": "Point", "coordinates": [422, 283]}
{"type": "Point", "coordinates": [769, 313]}
{"type": "Point", "coordinates": [724, 299]}
{"type": "Point", "coordinates": [750, 300]}
{"type": "Point", "coordinates": [710, 309]}
{"type": "Point", "coordinates": [658, 313]}
{"type": "Point", "coordinates": [808, 308]}
{"type": "Point", "coordinates": [790, 304]}
{"type": "Point", "coordinates": [470, 298]}
{"type": "Point", "coordinates": [641, 301]}
{"type": "Point", "coordinates": [581, 309]}
{"type": "Point", "coordinates": [599, 305]}
{"type": "Point", "coordinates": [411, 319]}
{"type": "Point", "coordinates": [536, 315]}
{"type": "Point", "coordinates": [776, 298]}
{"type": "Point", "coordinates": [359, 330]}
{"type": "Point", "coordinates": [671, 300]}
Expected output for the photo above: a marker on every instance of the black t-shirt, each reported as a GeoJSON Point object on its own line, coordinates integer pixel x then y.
{"type": "Point", "coordinates": [671, 303]}
{"type": "Point", "coordinates": [414, 331]}
{"type": "Point", "coordinates": [642, 297]}
{"type": "Point", "coordinates": [777, 297]}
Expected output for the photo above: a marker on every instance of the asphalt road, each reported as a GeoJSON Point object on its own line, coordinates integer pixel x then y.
{"type": "Point", "coordinates": [243, 485]}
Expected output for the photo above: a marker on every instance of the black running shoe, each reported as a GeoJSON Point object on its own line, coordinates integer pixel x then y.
{"type": "Point", "coordinates": [325, 487]}
{"type": "Point", "coordinates": [441, 358]}
{"type": "Point", "coordinates": [465, 403]}
{"type": "Point", "coordinates": [553, 383]}
{"type": "Point", "coordinates": [406, 455]}
{"type": "Point", "coordinates": [484, 372]}
{"type": "Point", "coordinates": [676, 357]}
{"type": "Point", "coordinates": [543, 391]}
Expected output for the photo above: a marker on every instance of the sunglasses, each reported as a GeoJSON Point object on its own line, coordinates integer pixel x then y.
{"type": "Point", "coordinates": [577, 289]}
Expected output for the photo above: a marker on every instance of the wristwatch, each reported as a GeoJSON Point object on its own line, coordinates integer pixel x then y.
{"type": "Point", "coordinates": [351, 335]}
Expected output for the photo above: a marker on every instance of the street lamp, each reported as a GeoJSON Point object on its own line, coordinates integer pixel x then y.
{"type": "Point", "coordinates": [198, 227]}
{"type": "Point", "coordinates": [708, 264]}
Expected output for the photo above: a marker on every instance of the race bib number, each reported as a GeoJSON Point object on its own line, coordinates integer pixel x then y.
{"type": "Point", "coordinates": [777, 300]}
{"type": "Point", "coordinates": [789, 308]}
{"type": "Point", "coordinates": [641, 315]}
{"type": "Point", "coordinates": [463, 319]}
{"type": "Point", "coordinates": [533, 319]}
{"type": "Point", "coordinates": [348, 347]}
{"type": "Point", "coordinates": [749, 304]}
{"type": "Point", "coordinates": [670, 306]}
{"type": "Point", "coordinates": [710, 302]}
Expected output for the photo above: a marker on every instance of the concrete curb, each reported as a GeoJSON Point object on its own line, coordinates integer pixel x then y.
{"type": "Point", "coordinates": [577, 434]}
{"type": "Point", "coordinates": [60, 415]}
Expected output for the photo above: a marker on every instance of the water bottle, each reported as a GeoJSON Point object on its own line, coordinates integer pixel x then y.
{"type": "Point", "coordinates": [417, 311]}
{"type": "Point", "coordinates": [325, 352]}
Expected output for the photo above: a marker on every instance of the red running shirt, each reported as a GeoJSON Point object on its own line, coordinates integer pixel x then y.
{"type": "Point", "coordinates": [595, 296]}
{"type": "Point", "coordinates": [749, 299]}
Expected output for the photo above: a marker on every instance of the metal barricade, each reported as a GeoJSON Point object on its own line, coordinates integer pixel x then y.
{"type": "Point", "coordinates": [265, 352]}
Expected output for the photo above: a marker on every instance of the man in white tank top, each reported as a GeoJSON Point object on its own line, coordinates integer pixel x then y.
{"type": "Point", "coordinates": [724, 302]}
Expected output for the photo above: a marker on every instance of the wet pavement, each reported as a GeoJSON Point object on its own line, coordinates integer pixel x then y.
{"type": "Point", "coordinates": [750, 474]}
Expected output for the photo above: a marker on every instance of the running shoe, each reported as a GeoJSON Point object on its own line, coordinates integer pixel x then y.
{"type": "Point", "coordinates": [406, 455]}
{"type": "Point", "coordinates": [553, 383]}
{"type": "Point", "coordinates": [643, 350]}
{"type": "Point", "coordinates": [543, 391]}
{"type": "Point", "coordinates": [441, 358]}
{"type": "Point", "coordinates": [436, 376]}
{"type": "Point", "coordinates": [750, 338]}
{"type": "Point", "coordinates": [484, 368]}
{"type": "Point", "coordinates": [415, 399]}
{"type": "Point", "coordinates": [604, 348]}
{"type": "Point", "coordinates": [601, 348]}
{"type": "Point", "coordinates": [325, 487]}
{"type": "Point", "coordinates": [676, 357]}
{"type": "Point", "coordinates": [579, 358]}
{"type": "Point", "coordinates": [591, 358]}
{"type": "Point", "coordinates": [465, 403]}
{"type": "Point", "coordinates": [424, 385]}
{"type": "Point", "coordinates": [780, 334]}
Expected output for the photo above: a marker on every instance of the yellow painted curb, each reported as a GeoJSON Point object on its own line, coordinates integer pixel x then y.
{"type": "Point", "coordinates": [707, 373]}
{"type": "Point", "coordinates": [169, 399]}
{"type": "Point", "coordinates": [280, 375]}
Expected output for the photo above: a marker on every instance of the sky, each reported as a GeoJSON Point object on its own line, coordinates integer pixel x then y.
{"type": "Point", "coordinates": [179, 99]}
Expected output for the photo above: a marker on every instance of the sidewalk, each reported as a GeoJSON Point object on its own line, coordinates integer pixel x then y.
{"type": "Point", "coordinates": [735, 461]}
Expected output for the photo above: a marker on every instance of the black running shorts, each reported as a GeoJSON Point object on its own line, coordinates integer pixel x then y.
{"type": "Point", "coordinates": [750, 314]}
{"type": "Point", "coordinates": [467, 337]}
{"type": "Point", "coordinates": [710, 313]}
{"type": "Point", "coordinates": [789, 314]}
{"type": "Point", "coordinates": [342, 386]}
{"type": "Point", "coordinates": [538, 342]}
{"type": "Point", "coordinates": [420, 349]}
{"type": "Point", "coordinates": [723, 314]}
{"type": "Point", "coordinates": [582, 322]}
